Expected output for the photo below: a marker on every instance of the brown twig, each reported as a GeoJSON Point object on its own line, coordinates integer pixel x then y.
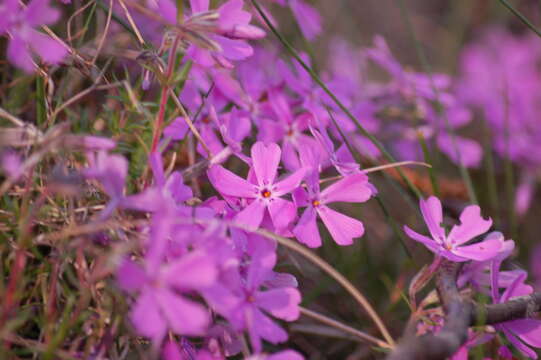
{"type": "Point", "coordinates": [460, 314]}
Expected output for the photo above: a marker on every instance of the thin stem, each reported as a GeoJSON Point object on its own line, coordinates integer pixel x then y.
{"type": "Point", "coordinates": [164, 95]}
{"type": "Point", "coordinates": [520, 16]}
{"type": "Point", "coordinates": [331, 271]}
{"type": "Point", "coordinates": [343, 327]}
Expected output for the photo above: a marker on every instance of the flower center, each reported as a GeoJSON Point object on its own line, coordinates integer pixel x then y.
{"type": "Point", "coordinates": [265, 193]}
{"type": "Point", "coordinates": [447, 246]}
{"type": "Point", "coordinates": [316, 203]}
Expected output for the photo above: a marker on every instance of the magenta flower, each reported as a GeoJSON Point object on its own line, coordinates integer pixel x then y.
{"type": "Point", "coordinates": [451, 245]}
{"type": "Point", "coordinates": [256, 303]}
{"type": "Point", "coordinates": [287, 129]}
{"type": "Point", "coordinates": [25, 42]}
{"type": "Point", "coordinates": [266, 193]}
{"type": "Point", "coordinates": [160, 307]}
{"type": "Point", "coordinates": [111, 171]}
{"type": "Point", "coordinates": [218, 36]}
{"type": "Point", "coordinates": [343, 229]}
{"type": "Point", "coordinates": [521, 332]}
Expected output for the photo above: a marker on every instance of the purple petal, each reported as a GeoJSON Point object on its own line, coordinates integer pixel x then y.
{"type": "Point", "coordinates": [306, 230]}
{"type": "Point", "coordinates": [197, 271]}
{"type": "Point", "coordinates": [48, 49]}
{"type": "Point", "coordinates": [199, 5]}
{"type": "Point", "coordinates": [429, 243]}
{"type": "Point", "coordinates": [343, 228]}
{"type": "Point", "coordinates": [231, 14]}
{"type": "Point", "coordinates": [184, 317]}
{"type": "Point", "coordinates": [177, 129]}
{"type": "Point", "coordinates": [175, 187]}
{"type": "Point", "coordinates": [290, 183]}
{"type": "Point", "coordinates": [39, 12]}
{"type": "Point", "coordinates": [146, 317]}
{"type": "Point", "coordinates": [130, 276]}
{"type": "Point", "coordinates": [19, 54]}
{"type": "Point", "coordinates": [263, 327]}
{"type": "Point", "coordinates": [471, 225]}
{"type": "Point", "coordinates": [233, 49]}
{"type": "Point", "coordinates": [482, 251]}
{"type": "Point", "coordinates": [518, 344]}
{"type": "Point", "coordinates": [252, 215]}
{"type": "Point", "coordinates": [168, 10]}
{"type": "Point", "coordinates": [432, 213]}
{"type": "Point", "coordinates": [265, 158]}
{"type": "Point", "coordinates": [282, 212]}
{"type": "Point", "coordinates": [281, 303]}
{"type": "Point", "coordinates": [352, 188]}
{"type": "Point", "coordinates": [528, 330]}
{"type": "Point", "coordinates": [462, 150]}
{"type": "Point", "coordinates": [307, 17]}
{"type": "Point", "coordinates": [229, 183]}
{"type": "Point", "coordinates": [279, 105]}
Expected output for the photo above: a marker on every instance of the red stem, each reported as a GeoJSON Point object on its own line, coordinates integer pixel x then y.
{"type": "Point", "coordinates": [164, 95]}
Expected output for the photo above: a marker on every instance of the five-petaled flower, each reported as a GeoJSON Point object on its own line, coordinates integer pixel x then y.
{"type": "Point", "coordinates": [265, 192]}
{"type": "Point", "coordinates": [452, 245]}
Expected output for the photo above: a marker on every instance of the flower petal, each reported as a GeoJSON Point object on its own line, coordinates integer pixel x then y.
{"type": "Point", "coordinates": [130, 276]}
{"type": "Point", "coordinates": [432, 213]}
{"type": "Point", "coordinates": [426, 241]}
{"type": "Point", "coordinates": [266, 329]}
{"type": "Point", "coordinates": [290, 183]}
{"type": "Point", "coordinates": [252, 215]}
{"type": "Point", "coordinates": [471, 225]}
{"type": "Point", "coordinates": [49, 50]}
{"type": "Point", "coordinates": [229, 183]}
{"type": "Point", "coordinates": [528, 330]}
{"type": "Point", "coordinates": [281, 303]}
{"type": "Point", "coordinates": [343, 228]}
{"type": "Point", "coordinates": [193, 271]}
{"type": "Point", "coordinates": [19, 54]}
{"type": "Point", "coordinates": [146, 317]}
{"type": "Point", "coordinates": [265, 158]}
{"type": "Point", "coordinates": [306, 230]}
{"type": "Point", "coordinates": [351, 188]}
{"type": "Point", "coordinates": [183, 316]}
{"type": "Point", "coordinates": [481, 251]}
{"type": "Point", "coordinates": [282, 212]}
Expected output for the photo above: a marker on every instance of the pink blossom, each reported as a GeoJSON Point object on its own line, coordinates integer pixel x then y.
{"type": "Point", "coordinates": [266, 193]}
{"type": "Point", "coordinates": [159, 306]}
{"type": "Point", "coordinates": [25, 41]}
{"type": "Point", "coordinates": [451, 245]}
{"type": "Point", "coordinates": [343, 229]}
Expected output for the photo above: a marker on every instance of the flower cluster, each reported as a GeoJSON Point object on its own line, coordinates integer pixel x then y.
{"type": "Point", "coordinates": [272, 158]}
{"type": "Point", "coordinates": [483, 271]}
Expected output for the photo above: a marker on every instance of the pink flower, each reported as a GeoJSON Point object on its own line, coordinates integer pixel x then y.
{"type": "Point", "coordinates": [521, 332]}
{"type": "Point", "coordinates": [265, 193]}
{"type": "Point", "coordinates": [159, 307]}
{"type": "Point", "coordinates": [451, 245]}
{"type": "Point", "coordinates": [256, 304]}
{"type": "Point", "coordinates": [343, 229]}
{"type": "Point", "coordinates": [25, 41]}
{"type": "Point", "coordinates": [217, 36]}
